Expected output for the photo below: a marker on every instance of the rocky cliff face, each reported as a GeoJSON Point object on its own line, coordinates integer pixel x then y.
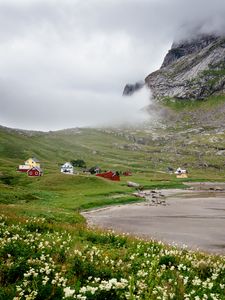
{"type": "Point", "coordinates": [130, 89]}
{"type": "Point", "coordinates": [192, 69]}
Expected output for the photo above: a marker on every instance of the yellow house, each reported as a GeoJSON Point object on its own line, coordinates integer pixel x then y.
{"type": "Point", "coordinates": [32, 162]}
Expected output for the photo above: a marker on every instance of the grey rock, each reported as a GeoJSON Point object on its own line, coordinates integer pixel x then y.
{"type": "Point", "coordinates": [132, 184]}
{"type": "Point", "coordinates": [220, 152]}
{"type": "Point", "coordinates": [129, 89]}
{"type": "Point", "coordinates": [191, 70]}
{"type": "Point", "coordinates": [186, 47]}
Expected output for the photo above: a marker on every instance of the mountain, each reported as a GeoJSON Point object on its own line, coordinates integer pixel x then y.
{"type": "Point", "coordinates": [192, 69]}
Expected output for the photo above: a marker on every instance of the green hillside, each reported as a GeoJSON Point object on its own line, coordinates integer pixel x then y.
{"type": "Point", "coordinates": [190, 135]}
{"type": "Point", "coordinates": [109, 149]}
{"type": "Point", "coordinates": [46, 249]}
{"type": "Point", "coordinates": [183, 138]}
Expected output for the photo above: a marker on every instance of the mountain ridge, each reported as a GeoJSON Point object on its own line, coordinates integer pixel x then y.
{"type": "Point", "coordinates": [192, 69]}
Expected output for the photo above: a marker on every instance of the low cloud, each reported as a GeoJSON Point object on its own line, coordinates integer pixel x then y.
{"type": "Point", "coordinates": [80, 108]}
{"type": "Point", "coordinates": [65, 63]}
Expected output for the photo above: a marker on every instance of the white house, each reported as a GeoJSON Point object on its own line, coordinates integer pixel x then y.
{"type": "Point", "coordinates": [181, 173]}
{"type": "Point", "coordinates": [67, 168]}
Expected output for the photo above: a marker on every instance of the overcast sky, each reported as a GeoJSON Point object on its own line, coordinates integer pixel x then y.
{"type": "Point", "coordinates": [64, 63]}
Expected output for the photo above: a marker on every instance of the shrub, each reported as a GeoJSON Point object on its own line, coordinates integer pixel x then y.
{"type": "Point", "coordinates": [78, 163]}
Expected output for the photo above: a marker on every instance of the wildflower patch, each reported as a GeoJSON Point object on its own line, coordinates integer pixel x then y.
{"type": "Point", "coordinates": [38, 261]}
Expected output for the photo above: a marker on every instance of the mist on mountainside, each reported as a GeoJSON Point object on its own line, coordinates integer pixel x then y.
{"type": "Point", "coordinates": [66, 65]}
{"type": "Point", "coordinates": [103, 110]}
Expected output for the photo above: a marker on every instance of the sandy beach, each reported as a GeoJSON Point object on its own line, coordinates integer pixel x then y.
{"type": "Point", "coordinates": [193, 217]}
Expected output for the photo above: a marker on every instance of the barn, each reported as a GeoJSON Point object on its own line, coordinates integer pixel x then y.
{"type": "Point", "coordinates": [34, 172]}
{"type": "Point", "coordinates": [109, 175]}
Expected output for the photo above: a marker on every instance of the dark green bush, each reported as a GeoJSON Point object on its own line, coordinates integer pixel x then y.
{"type": "Point", "coordinates": [168, 260]}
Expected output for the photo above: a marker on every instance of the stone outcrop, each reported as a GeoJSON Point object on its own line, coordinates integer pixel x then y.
{"type": "Point", "coordinates": [132, 88]}
{"type": "Point", "coordinates": [193, 69]}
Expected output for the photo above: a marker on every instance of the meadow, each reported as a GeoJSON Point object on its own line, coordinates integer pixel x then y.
{"type": "Point", "coordinates": [47, 251]}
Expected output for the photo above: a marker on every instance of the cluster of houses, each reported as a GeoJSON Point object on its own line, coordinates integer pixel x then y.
{"type": "Point", "coordinates": [67, 168]}
{"type": "Point", "coordinates": [32, 167]}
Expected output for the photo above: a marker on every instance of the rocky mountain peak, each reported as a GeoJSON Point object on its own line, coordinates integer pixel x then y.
{"type": "Point", "coordinates": [192, 69]}
{"type": "Point", "coordinates": [186, 47]}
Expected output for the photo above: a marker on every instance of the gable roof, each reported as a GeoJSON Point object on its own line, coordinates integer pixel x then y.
{"type": "Point", "coordinates": [35, 168]}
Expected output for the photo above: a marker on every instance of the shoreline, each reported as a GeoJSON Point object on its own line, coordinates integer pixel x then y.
{"type": "Point", "coordinates": [191, 217]}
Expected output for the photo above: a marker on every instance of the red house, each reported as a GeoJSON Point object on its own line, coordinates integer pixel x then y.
{"type": "Point", "coordinates": [35, 171]}
{"type": "Point", "coordinates": [109, 175]}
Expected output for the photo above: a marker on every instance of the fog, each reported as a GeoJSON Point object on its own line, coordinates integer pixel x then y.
{"type": "Point", "coordinates": [65, 63]}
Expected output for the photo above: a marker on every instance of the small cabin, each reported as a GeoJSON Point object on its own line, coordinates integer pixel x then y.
{"type": "Point", "coordinates": [34, 172]}
{"type": "Point", "coordinates": [67, 168]}
{"type": "Point", "coordinates": [181, 173]}
{"type": "Point", "coordinates": [109, 175]}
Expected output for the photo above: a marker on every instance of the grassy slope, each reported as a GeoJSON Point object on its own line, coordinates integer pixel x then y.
{"type": "Point", "coordinates": [64, 192]}
{"type": "Point", "coordinates": [58, 198]}
{"type": "Point", "coordinates": [190, 139]}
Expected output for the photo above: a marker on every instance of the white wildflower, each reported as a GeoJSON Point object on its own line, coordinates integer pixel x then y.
{"type": "Point", "coordinates": [68, 292]}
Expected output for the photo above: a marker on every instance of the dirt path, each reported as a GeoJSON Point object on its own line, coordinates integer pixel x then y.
{"type": "Point", "coordinates": [195, 218]}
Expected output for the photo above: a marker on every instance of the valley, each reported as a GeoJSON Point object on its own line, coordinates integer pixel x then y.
{"type": "Point", "coordinates": [47, 209]}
